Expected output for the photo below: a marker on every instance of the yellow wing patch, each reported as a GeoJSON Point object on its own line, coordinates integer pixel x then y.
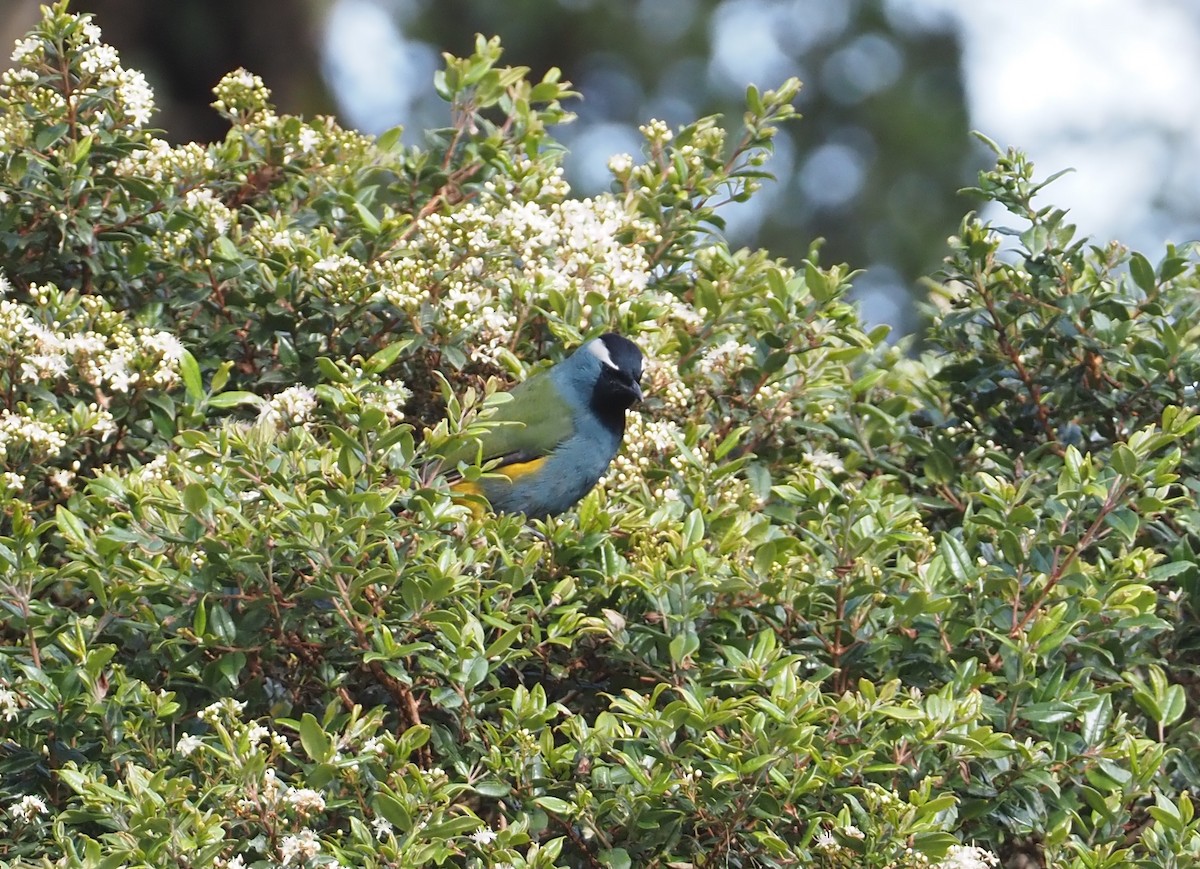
{"type": "Point", "coordinates": [515, 471]}
{"type": "Point", "coordinates": [466, 487]}
{"type": "Point", "coordinates": [518, 470]}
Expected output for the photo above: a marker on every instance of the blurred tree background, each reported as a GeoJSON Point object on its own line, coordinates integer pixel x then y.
{"type": "Point", "coordinates": [873, 167]}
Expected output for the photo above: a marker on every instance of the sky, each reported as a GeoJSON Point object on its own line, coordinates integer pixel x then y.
{"type": "Point", "coordinates": [1106, 87]}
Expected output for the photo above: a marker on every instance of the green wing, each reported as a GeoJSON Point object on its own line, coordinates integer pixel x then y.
{"type": "Point", "coordinates": [536, 421]}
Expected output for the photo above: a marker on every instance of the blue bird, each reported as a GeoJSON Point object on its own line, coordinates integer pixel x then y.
{"type": "Point", "coordinates": [562, 429]}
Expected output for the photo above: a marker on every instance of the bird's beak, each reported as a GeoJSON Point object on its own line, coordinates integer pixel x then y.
{"type": "Point", "coordinates": [637, 390]}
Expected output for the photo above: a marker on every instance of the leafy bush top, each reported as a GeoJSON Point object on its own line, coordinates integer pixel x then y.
{"type": "Point", "coordinates": [832, 606]}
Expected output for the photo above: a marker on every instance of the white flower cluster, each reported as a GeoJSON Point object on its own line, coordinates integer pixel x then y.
{"type": "Point", "coordinates": [957, 857]}
{"type": "Point", "coordinates": [210, 217]}
{"type": "Point", "coordinates": [42, 439]}
{"type": "Point", "coordinates": [28, 808]}
{"type": "Point", "coordinates": [213, 214]}
{"type": "Point", "coordinates": [827, 841]}
{"type": "Point", "coordinates": [154, 471]}
{"type": "Point", "coordinates": [291, 407]}
{"type": "Point", "coordinates": [726, 357]}
{"type": "Point", "coordinates": [968, 857]}
{"type": "Point", "coordinates": [620, 164]}
{"type": "Point", "coordinates": [187, 744]}
{"type": "Point", "coordinates": [389, 396]}
{"type": "Point", "coordinates": [134, 95]}
{"type": "Point", "coordinates": [306, 801]}
{"type": "Point", "coordinates": [648, 443]}
{"type": "Point", "coordinates": [656, 132]}
{"type": "Point", "coordinates": [224, 711]}
{"type": "Point", "coordinates": [299, 848]}
{"type": "Point", "coordinates": [241, 93]}
{"type": "Point", "coordinates": [10, 702]}
{"type": "Point", "coordinates": [662, 380]}
{"type": "Point", "coordinates": [340, 278]}
{"type": "Point", "coordinates": [102, 81]}
{"type": "Point", "coordinates": [91, 342]}
{"type": "Point", "coordinates": [14, 130]}
{"type": "Point", "coordinates": [484, 262]}
{"type": "Point", "coordinates": [160, 162]}
{"type": "Point", "coordinates": [27, 49]}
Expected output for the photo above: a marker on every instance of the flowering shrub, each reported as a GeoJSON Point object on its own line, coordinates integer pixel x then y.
{"type": "Point", "coordinates": [833, 605]}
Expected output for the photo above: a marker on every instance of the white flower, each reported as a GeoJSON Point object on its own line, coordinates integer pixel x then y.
{"type": "Point", "coordinates": [9, 705]}
{"type": "Point", "coordinates": [294, 404]}
{"type": "Point", "coordinates": [308, 139]}
{"type": "Point", "coordinates": [224, 708]}
{"type": "Point", "coordinates": [726, 357]}
{"type": "Point", "coordinates": [619, 164]}
{"type": "Point", "coordinates": [114, 368]}
{"type": "Point", "coordinates": [826, 841]}
{"type": "Point", "coordinates": [306, 800]}
{"type": "Point", "coordinates": [25, 47]}
{"type": "Point", "coordinates": [657, 131]}
{"type": "Point", "coordinates": [484, 836]}
{"type": "Point", "coordinates": [137, 98]}
{"type": "Point", "coordinates": [299, 848]}
{"type": "Point", "coordinates": [382, 827]}
{"type": "Point", "coordinates": [968, 857]}
{"type": "Point", "coordinates": [188, 743]}
{"type": "Point", "coordinates": [824, 460]}
{"type": "Point", "coordinates": [99, 58]}
{"type": "Point", "coordinates": [29, 807]}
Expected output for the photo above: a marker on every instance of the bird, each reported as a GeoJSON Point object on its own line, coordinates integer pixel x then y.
{"type": "Point", "coordinates": [559, 432]}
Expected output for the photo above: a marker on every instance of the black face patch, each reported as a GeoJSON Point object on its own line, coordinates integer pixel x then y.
{"type": "Point", "coordinates": [618, 386]}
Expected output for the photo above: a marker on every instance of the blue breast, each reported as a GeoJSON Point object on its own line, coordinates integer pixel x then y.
{"type": "Point", "coordinates": [574, 468]}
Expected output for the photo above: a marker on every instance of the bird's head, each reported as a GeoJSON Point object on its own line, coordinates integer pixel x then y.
{"type": "Point", "coordinates": [619, 375]}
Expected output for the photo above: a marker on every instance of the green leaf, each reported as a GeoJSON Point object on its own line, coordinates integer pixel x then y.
{"type": "Point", "coordinates": [554, 805]}
{"type": "Point", "coordinates": [233, 399]}
{"type": "Point", "coordinates": [1124, 461]}
{"type": "Point", "coordinates": [1125, 522]}
{"type": "Point", "coordinates": [1095, 720]}
{"type": "Point", "coordinates": [382, 361]}
{"type": "Point", "coordinates": [195, 498]}
{"type": "Point", "coordinates": [939, 467]}
{"type": "Point", "coordinates": [393, 811]}
{"type": "Point", "coordinates": [493, 789]}
{"type": "Point", "coordinates": [954, 556]}
{"type": "Point", "coordinates": [70, 527]}
{"type": "Point", "coordinates": [369, 221]}
{"type": "Point", "coordinates": [222, 625]}
{"type": "Point", "coordinates": [330, 371]}
{"type": "Point", "coordinates": [225, 250]}
{"type": "Point", "coordinates": [1172, 706]}
{"type": "Point", "coordinates": [1142, 271]}
{"type": "Point", "coordinates": [317, 744]}
{"type": "Point", "coordinates": [615, 858]}
{"type": "Point", "coordinates": [189, 370]}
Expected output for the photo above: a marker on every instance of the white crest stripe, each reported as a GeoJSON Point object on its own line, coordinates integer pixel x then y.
{"type": "Point", "coordinates": [600, 350]}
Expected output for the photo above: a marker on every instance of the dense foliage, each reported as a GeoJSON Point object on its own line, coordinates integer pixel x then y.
{"type": "Point", "coordinates": [833, 606]}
